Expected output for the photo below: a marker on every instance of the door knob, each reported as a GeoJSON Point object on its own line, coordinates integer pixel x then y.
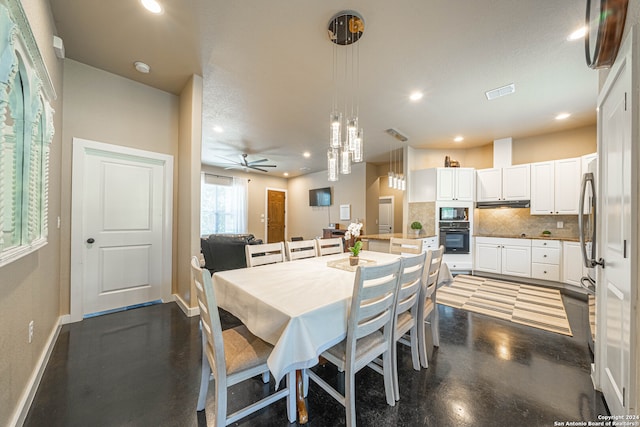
{"type": "Point", "coordinates": [90, 240]}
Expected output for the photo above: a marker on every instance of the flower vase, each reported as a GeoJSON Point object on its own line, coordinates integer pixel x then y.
{"type": "Point", "coordinates": [353, 260]}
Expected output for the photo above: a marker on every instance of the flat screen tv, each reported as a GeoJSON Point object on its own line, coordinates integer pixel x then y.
{"type": "Point", "coordinates": [320, 197]}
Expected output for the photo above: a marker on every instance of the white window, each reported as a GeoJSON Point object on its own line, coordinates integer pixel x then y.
{"type": "Point", "coordinates": [223, 204]}
{"type": "Point", "coordinates": [26, 132]}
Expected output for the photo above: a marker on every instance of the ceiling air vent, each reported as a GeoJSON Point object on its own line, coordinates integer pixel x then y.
{"type": "Point", "coordinates": [397, 135]}
{"type": "Point", "coordinates": [501, 91]}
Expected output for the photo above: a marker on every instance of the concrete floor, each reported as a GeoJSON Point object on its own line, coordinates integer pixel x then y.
{"type": "Point", "coordinates": [141, 368]}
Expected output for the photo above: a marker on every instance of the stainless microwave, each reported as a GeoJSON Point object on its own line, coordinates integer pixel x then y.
{"type": "Point", "coordinates": [453, 214]}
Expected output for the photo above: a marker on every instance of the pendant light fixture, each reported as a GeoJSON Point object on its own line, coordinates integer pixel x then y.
{"type": "Point", "coordinates": [346, 140]}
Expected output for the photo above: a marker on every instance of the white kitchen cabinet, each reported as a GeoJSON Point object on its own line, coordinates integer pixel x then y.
{"type": "Point", "coordinates": [456, 184]}
{"type": "Point", "coordinates": [422, 185]}
{"type": "Point", "coordinates": [555, 187]}
{"type": "Point", "coordinates": [545, 260]}
{"type": "Point", "coordinates": [572, 266]}
{"type": "Point", "coordinates": [510, 183]}
{"type": "Point", "coordinates": [503, 256]}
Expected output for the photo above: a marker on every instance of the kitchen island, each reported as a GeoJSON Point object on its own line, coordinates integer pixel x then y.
{"type": "Point", "coordinates": [380, 242]}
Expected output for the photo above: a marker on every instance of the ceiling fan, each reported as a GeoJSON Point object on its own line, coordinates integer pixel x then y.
{"type": "Point", "coordinates": [245, 164]}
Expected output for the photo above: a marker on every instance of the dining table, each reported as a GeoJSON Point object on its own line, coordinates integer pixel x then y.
{"type": "Point", "coordinates": [300, 307]}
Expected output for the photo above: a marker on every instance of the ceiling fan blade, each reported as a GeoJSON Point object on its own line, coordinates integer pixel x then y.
{"type": "Point", "coordinates": [263, 166]}
{"type": "Point", "coordinates": [258, 169]}
{"type": "Point", "coordinates": [228, 160]}
{"type": "Point", "coordinates": [258, 161]}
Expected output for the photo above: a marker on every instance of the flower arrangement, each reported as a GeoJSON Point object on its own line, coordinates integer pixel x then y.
{"type": "Point", "coordinates": [353, 231]}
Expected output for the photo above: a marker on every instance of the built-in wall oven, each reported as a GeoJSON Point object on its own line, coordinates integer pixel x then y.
{"type": "Point", "coordinates": [454, 236]}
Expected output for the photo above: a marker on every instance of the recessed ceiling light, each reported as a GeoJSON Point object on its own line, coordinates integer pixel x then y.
{"type": "Point", "coordinates": [306, 154]}
{"type": "Point", "coordinates": [286, 174]}
{"type": "Point", "coordinates": [577, 34]}
{"type": "Point", "coordinates": [142, 67]}
{"type": "Point", "coordinates": [416, 96]}
{"type": "Point", "coordinates": [458, 139]}
{"type": "Point", "coordinates": [218, 129]}
{"type": "Point", "coordinates": [562, 116]}
{"type": "Point", "coordinates": [152, 6]}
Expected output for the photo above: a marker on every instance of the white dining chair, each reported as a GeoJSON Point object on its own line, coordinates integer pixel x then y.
{"type": "Point", "coordinates": [405, 246]}
{"type": "Point", "coordinates": [406, 314]}
{"type": "Point", "coordinates": [369, 334]}
{"type": "Point", "coordinates": [427, 309]}
{"type": "Point", "coordinates": [265, 253]}
{"type": "Point", "coordinates": [235, 355]}
{"type": "Point", "coordinates": [330, 246]}
{"type": "Point", "coordinates": [301, 249]}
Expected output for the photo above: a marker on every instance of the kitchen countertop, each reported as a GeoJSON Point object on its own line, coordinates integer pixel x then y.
{"type": "Point", "coordinates": [397, 235]}
{"type": "Point", "coordinates": [538, 237]}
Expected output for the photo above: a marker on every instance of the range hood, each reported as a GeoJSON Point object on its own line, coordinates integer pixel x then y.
{"type": "Point", "coordinates": [503, 204]}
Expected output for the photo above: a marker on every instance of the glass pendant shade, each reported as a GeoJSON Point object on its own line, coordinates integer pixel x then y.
{"type": "Point", "coordinates": [345, 160]}
{"type": "Point", "coordinates": [332, 164]}
{"type": "Point", "coordinates": [390, 179]}
{"type": "Point", "coordinates": [336, 120]}
{"type": "Point", "coordinates": [357, 150]}
{"type": "Point", "coordinates": [352, 133]}
{"type": "Point", "coordinates": [403, 184]}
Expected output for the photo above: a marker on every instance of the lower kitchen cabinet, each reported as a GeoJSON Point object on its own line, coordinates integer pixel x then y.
{"type": "Point", "coordinates": [545, 260]}
{"type": "Point", "coordinates": [503, 256]}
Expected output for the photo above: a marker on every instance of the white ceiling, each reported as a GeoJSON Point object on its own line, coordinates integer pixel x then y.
{"type": "Point", "coordinates": [267, 69]}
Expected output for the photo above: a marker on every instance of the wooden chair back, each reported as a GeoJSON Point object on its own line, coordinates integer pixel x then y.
{"type": "Point", "coordinates": [266, 253]}
{"type": "Point", "coordinates": [301, 249]}
{"type": "Point", "coordinates": [330, 246]}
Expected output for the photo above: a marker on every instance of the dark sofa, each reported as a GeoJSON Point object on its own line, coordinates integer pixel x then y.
{"type": "Point", "coordinates": [225, 251]}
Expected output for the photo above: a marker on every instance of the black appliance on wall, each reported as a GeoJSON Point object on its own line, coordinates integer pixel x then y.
{"type": "Point", "coordinates": [454, 236]}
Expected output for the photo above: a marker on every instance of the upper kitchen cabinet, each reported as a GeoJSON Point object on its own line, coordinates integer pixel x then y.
{"type": "Point", "coordinates": [456, 184]}
{"type": "Point", "coordinates": [510, 183]}
{"type": "Point", "coordinates": [555, 187]}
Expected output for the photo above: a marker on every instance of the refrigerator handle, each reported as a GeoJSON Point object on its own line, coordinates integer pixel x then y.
{"type": "Point", "coordinates": [583, 247]}
{"type": "Point", "coordinates": [589, 261]}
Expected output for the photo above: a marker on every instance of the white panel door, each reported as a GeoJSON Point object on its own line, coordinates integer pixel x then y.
{"type": "Point", "coordinates": [385, 215]}
{"type": "Point", "coordinates": [568, 177]}
{"type": "Point", "coordinates": [516, 182]}
{"type": "Point", "coordinates": [122, 230]}
{"type": "Point", "coordinates": [516, 261]}
{"type": "Point", "coordinates": [488, 258]}
{"type": "Point", "coordinates": [613, 341]}
{"type": "Point", "coordinates": [446, 184]}
{"type": "Point", "coordinates": [542, 188]}
{"type": "Point", "coordinates": [489, 185]}
{"type": "Point", "coordinates": [465, 184]}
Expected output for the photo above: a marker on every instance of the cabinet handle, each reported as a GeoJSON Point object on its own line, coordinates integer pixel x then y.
{"type": "Point", "coordinates": [544, 256]}
{"type": "Point", "coordinates": [545, 272]}
{"type": "Point", "coordinates": [544, 244]}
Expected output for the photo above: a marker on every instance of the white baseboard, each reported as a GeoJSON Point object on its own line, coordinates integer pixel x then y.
{"type": "Point", "coordinates": [188, 311]}
{"type": "Point", "coordinates": [29, 393]}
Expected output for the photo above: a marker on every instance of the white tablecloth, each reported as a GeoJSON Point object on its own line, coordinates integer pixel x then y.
{"type": "Point", "coordinates": [300, 307]}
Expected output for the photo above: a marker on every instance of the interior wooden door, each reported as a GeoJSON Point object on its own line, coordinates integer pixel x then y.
{"type": "Point", "coordinates": [275, 216]}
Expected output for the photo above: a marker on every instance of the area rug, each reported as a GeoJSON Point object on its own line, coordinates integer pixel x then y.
{"type": "Point", "coordinates": [529, 305]}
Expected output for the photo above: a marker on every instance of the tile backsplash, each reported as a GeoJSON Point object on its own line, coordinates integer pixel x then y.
{"type": "Point", "coordinates": [515, 221]}
{"type": "Point", "coordinates": [425, 212]}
